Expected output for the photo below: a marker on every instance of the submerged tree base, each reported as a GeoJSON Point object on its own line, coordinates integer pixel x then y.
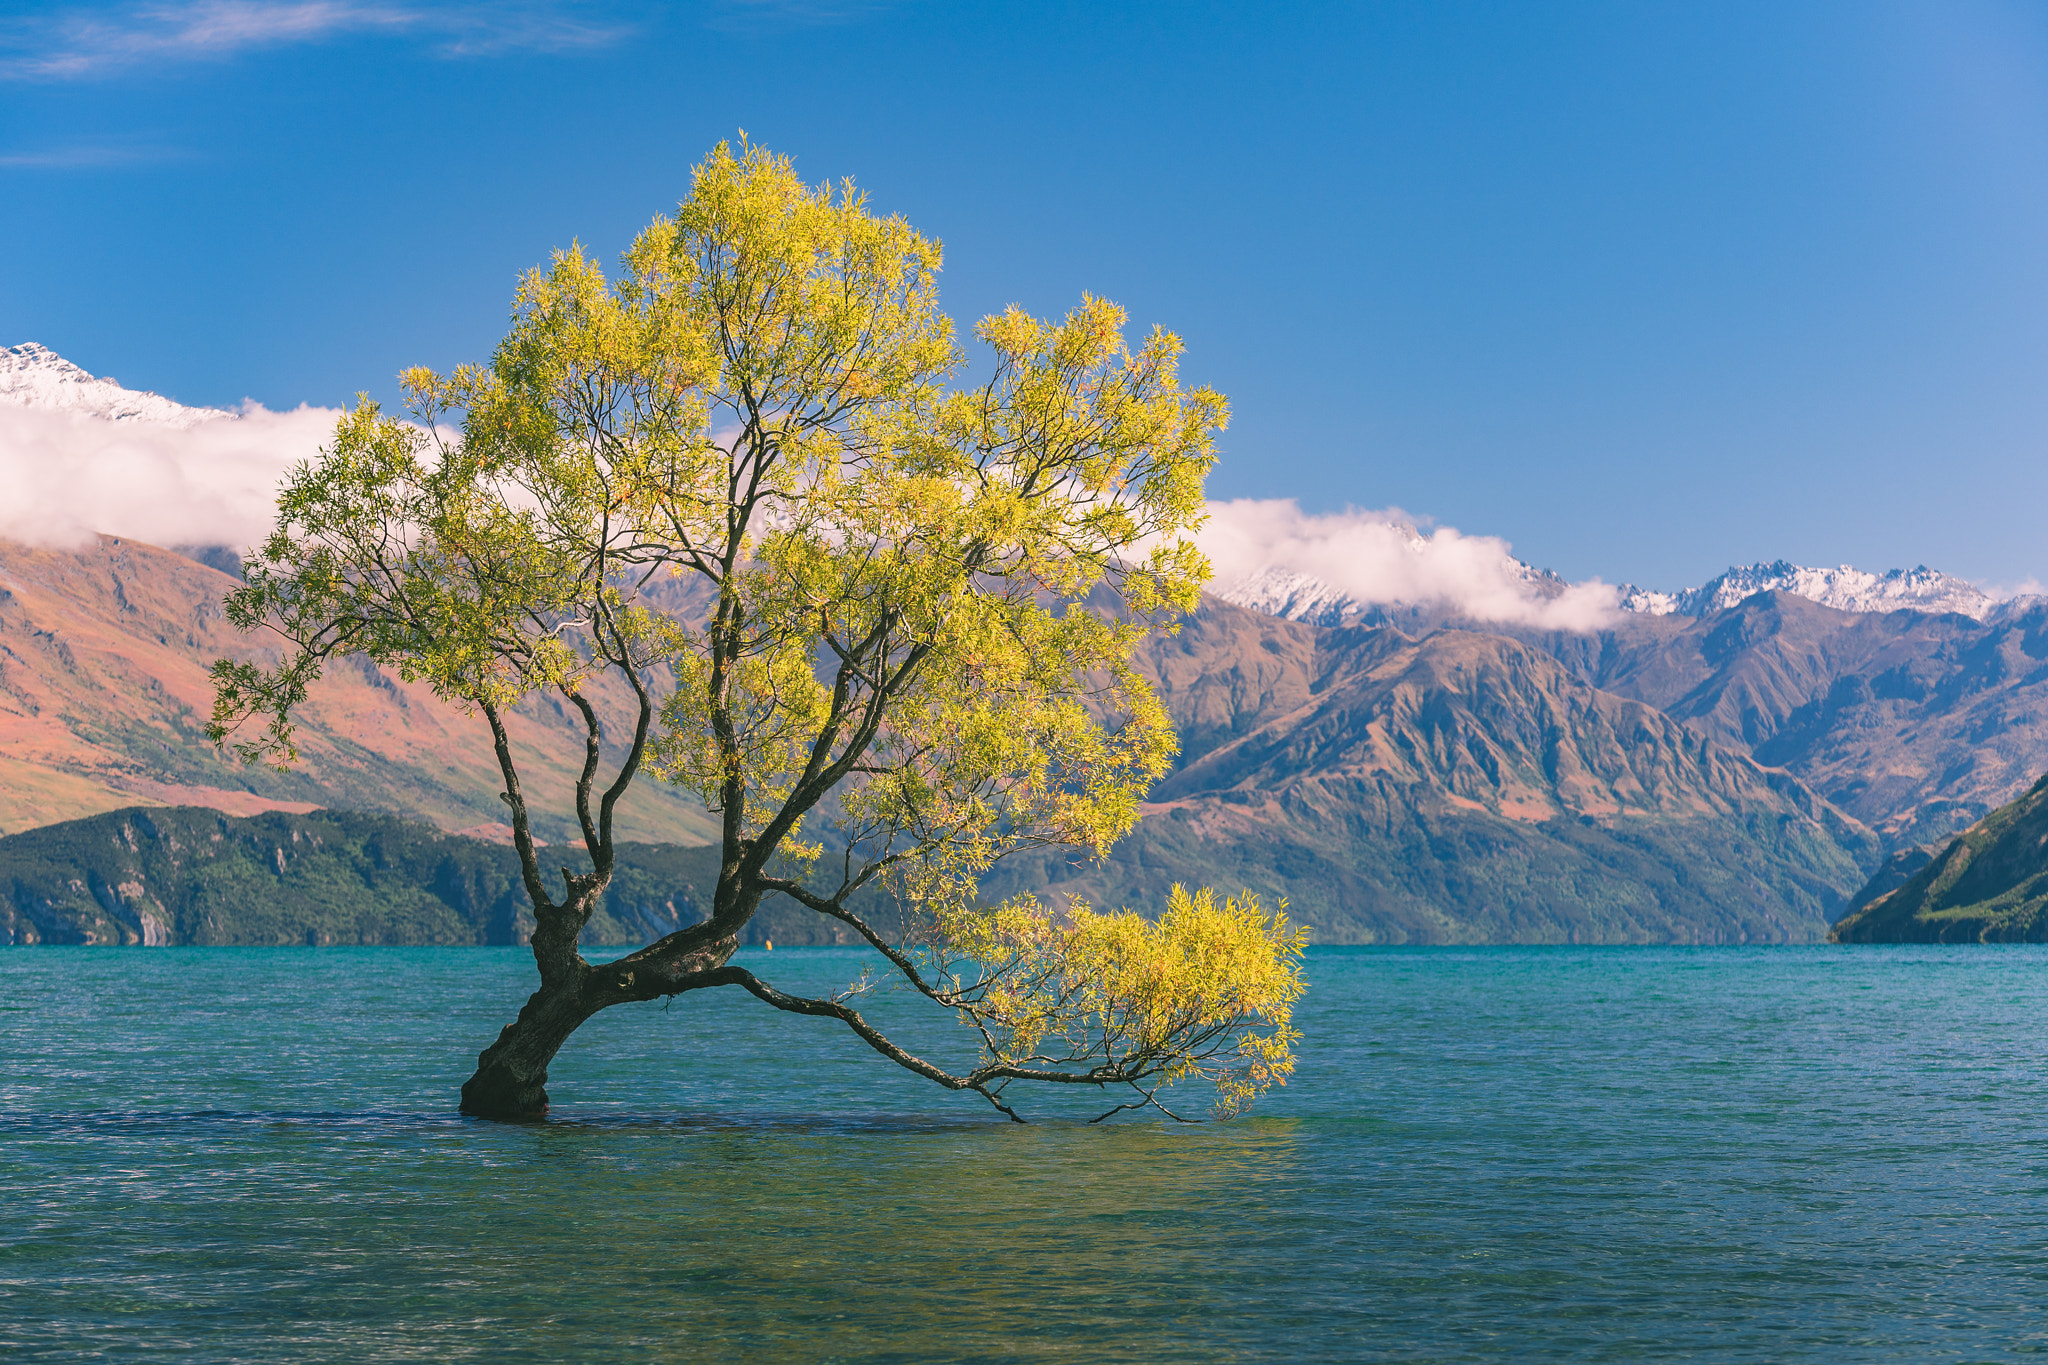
{"type": "Point", "coordinates": [512, 1073]}
{"type": "Point", "coordinates": [479, 1102]}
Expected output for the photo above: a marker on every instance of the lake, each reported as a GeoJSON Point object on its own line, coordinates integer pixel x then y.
{"type": "Point", "coordinates": [1769, 1154]}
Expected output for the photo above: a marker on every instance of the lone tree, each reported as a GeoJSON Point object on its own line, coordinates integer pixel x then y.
{"type": "Point", "coordinates": [739, 482]}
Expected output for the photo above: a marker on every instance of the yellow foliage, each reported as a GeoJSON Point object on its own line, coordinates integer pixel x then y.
{"type": "Point", "coordinates": [1204, 991]}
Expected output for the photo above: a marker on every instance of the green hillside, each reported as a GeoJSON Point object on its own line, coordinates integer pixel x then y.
{"type": "Point", "coordinates": [1988, 886]}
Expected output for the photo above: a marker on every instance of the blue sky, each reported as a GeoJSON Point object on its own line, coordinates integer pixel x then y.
{"type": "Point", "coordinates": [1646, 289]}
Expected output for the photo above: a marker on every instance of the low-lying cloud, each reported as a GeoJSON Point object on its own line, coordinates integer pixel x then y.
{"type": "Point", "coordinates": [68, 475]}
{"type": "Point", "coordinates": [1381, 558]}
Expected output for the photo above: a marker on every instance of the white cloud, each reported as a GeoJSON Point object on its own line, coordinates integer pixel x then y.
{"type": "Point", "coordinates": [187, 476]}
{"type": "Point", "coordinates": [93, 156]}
{"type": "Point", "coordinates": [68, 475]}
{"type": "Point", "coordinates": [85, 45]}
{"type": "Point", "coordinates": [1262, 548]}
{"type": "Point", "coordinates": [2006, 592]}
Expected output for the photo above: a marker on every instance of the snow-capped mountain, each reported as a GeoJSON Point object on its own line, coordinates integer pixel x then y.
{"type": "Point", "coordinates": [1290, 594]}
{"type": "Point", "coordinates": [1844, 588]}
{"type": "Point", "coordinates": [1298, 596]}
{"type": "Point", "coordinates": [34, 376]}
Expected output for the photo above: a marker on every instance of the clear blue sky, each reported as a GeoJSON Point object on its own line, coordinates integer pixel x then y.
{"type": "Point", "coordinates": [1647, 289]}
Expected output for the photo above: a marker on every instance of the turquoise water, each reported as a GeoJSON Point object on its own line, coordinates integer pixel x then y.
{"type": "Point", "coordinates": [1536, 1154]}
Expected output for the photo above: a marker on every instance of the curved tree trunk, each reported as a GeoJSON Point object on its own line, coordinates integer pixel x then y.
{"type": "Point", "coordinates": [512, 1074]}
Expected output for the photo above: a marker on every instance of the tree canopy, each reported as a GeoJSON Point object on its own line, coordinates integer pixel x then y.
{"type": "Point", "coordinates": [878, 618]}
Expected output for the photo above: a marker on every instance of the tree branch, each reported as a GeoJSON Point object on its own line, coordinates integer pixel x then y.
{"type": "Point", "coordinates": [554, 952]}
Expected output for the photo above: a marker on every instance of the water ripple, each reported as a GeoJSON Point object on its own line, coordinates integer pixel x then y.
{"type": "Point", "coordinates": [1565, 1154]}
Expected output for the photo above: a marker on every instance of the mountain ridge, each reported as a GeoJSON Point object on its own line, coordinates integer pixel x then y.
{"type": "Point", "coordinates": [34, 376]}
{"type": "Point", "coordinates": [1461, 787]}
{"type": "Point", "coordinates": [1844, 588]}
{"type": "Point", "coordinates": [1915, 723]}
{"type": "Point", "coordinates": [105, 692]}
{"type": "Point", "coordinates": [1728, 767]}
{"type": "Point", "coordinates": [1295, 595]}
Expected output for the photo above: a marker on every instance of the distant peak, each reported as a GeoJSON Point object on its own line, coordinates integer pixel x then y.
{"type": "Point", "coordinates": [1281, 591]}
{"type": "Point", "coordinates": [1844, 587]}
{"type": "Point", "coordinates": [34, 376]}
{"type": "Point", "coordinates": [1277, 590]}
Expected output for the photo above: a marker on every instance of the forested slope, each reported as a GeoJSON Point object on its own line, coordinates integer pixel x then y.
{"type": "Point", "coordinates": [1990, 885]}
{"type": "Point", "coordinates": [174, 876]}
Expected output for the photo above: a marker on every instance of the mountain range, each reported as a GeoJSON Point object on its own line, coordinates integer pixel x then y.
{"type": "Point", "coordinates": [1461, 786]}
{"type": "Point", "coordinates": [1282, 591]}
{"type": "Point", "coordinates": [1728, 763]}
{"type": "Point", "coordinates": [1671, 778]}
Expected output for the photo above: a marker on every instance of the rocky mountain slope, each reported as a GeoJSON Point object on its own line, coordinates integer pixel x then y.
{"type": "Point", "coordinates": [104, 697]}
{"type": "Point", "coordinates": [1461, 787]}
{"type": "Point", "coordinates": [1915, 723]}
{"type": "Point", "coordinates": [1908, 725]}
{"type": "Point", "coordinates": [1990, 885]}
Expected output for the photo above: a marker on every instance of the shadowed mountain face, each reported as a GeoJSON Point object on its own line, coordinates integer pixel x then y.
{"type": "Point", "coordinates": [104, 697]}
{"type": "Point", "coordinates": [1990, 885]}
{"type": "Point", "coordinates": [1463, 787]}
{"type": "Point", "coordinates": [1915, 724]}
{"type": "Point", "coordinates": [189, 875]}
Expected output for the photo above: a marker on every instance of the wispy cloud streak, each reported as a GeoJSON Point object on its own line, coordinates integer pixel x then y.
{"type": "Point", "coordinates": [92, 156]}
{"type": "Point", "coordinates": [83, 44]}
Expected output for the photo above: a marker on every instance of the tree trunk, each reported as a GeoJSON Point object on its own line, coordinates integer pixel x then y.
{"type": "Point", "coordinates": [512, 1074]}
